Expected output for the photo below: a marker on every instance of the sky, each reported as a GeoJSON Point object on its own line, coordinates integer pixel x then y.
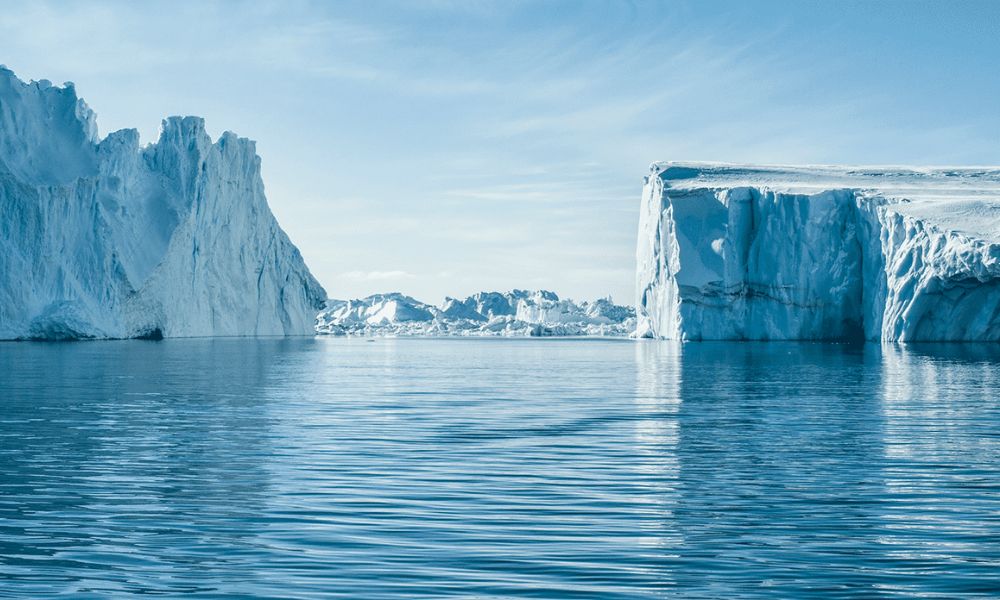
{"type": "Point", "coordinates": [442, 148]}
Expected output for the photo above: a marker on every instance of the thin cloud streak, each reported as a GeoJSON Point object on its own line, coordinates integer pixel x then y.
{"type": "Point", "coordinates": [377, 275]}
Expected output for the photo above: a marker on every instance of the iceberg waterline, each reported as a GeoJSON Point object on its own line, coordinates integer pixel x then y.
{"type": "Point", "coordinates": [514, 313]}
{"type": "Point", "coordinates": [109, 239]}
{"type": "Point", "coordinates": [104, 238]}
{"type": "Point", "coordinates": [733, 252]}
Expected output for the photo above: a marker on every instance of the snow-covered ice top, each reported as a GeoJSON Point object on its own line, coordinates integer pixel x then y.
{"type": "Point", "coordinates": [514, 313]}
{"type": "Point", "coordinates": [902, 181]}
{"type": "Point", "coordinates": [104, 238]}
{"type": "Point", "coordinates": [819, 252]}
{"type": "Point", "coordinates": [962, 199]}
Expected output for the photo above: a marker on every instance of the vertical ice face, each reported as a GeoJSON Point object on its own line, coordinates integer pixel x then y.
{"type": "Point", "coordinates": [765, 253]}
{"type": "Point", "coordinates": [105, 238]}
{"type": "Point", "coordinates": [940, 284]}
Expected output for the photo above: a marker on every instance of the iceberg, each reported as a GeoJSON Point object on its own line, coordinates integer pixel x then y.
{"type": "Point", "coordinates": [730, 252]}
{"type": "Point", "coordinates": [104, 238]}
{"type": "Point", "coordinates": [510, 314]}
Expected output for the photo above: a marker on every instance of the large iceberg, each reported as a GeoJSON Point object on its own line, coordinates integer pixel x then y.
{"type": "Point", "coordinates": [110, 239]}
{"type": "Point", "coordinates": [729, 252]}
{"type": "Point", "coordinates": [511, 314]}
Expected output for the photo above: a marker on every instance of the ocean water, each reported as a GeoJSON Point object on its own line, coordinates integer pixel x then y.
{"type": "Point", "coordinates": [409, 468]}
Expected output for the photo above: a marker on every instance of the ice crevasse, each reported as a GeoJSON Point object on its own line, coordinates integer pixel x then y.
{"type": "Point", "coordinates": [104, 238]}
{"type": "Point", "coordinates": [731, 252]}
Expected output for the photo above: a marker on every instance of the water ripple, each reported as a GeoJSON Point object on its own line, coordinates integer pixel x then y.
{"type": "Point", "coordinates": [497, 469]}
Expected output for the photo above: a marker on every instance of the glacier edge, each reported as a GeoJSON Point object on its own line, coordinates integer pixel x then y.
{"type": "Point", "coordinates": [730, 252]}
{"type": "Point", "coordinates": [104, 238]}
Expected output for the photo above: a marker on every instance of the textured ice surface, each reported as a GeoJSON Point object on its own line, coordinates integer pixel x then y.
{"type": "Point", "coordinates": [109, 239]}
{"type": "Point", "coordinates": [514, 313]}
{"type": "Point", "coordinates": [758, 253]}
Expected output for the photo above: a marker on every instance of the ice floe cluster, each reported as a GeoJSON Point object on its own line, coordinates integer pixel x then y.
{"type": "Point", "coordinates": [514, 313]}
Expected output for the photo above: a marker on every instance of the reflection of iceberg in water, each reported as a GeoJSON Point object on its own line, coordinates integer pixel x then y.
{"type": "Point", "coordinates": [941, 446]}
{"type": "Point", "coordinates": [169, 444]}
{"type": "Point", "coordinates": [775, 448]}
{"type": "Point", "coordinates": [812, 467]}
{"type": "Point", "coordinates": [657, 402]}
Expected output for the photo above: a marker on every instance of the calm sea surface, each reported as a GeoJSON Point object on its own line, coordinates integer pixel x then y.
{"type": "Point", "coordinates": [498, 468]}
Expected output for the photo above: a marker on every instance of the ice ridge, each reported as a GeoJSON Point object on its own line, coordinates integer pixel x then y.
{"type": "Point", "coordinates": [511, 314]}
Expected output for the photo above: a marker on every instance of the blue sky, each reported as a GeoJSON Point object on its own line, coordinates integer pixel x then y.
{"type": "Point", "coordinates": [443, 148]}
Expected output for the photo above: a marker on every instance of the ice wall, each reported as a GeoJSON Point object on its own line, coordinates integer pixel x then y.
{"type": "Point", "coordinates": [109, 239]}
{"type": "Point", "coordinates": [730, 252]}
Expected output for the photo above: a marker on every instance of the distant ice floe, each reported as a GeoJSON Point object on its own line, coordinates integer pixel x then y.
{"type": "Point", "coordinates": [515, 313]}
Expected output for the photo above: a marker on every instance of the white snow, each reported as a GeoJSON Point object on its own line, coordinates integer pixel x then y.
{"type": "Point", "coordinates": [514, 313]}
{"type": "Point", "coordinates": [781, 252]}
{"type": "Point", "coordinates": [107, 239]}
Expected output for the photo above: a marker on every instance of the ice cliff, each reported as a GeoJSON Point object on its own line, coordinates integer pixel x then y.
{"type": "Point", "coordinates": [819, 253]}
{"type": "Point", "coordinates": [514, 313]}
{"type": "Point", "coordinates": [110, 239]}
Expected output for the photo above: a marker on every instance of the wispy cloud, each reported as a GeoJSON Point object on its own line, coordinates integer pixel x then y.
{"type": "Point", "coordinates": [377, 275]}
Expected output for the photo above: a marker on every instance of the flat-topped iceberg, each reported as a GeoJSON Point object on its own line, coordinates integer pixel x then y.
{"type": "Point", "coordinates": [514, 313]}
{"type": "Point", "coordinates": [110, 239]}
{"type": "Point", "coordinates": [730, 252]}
